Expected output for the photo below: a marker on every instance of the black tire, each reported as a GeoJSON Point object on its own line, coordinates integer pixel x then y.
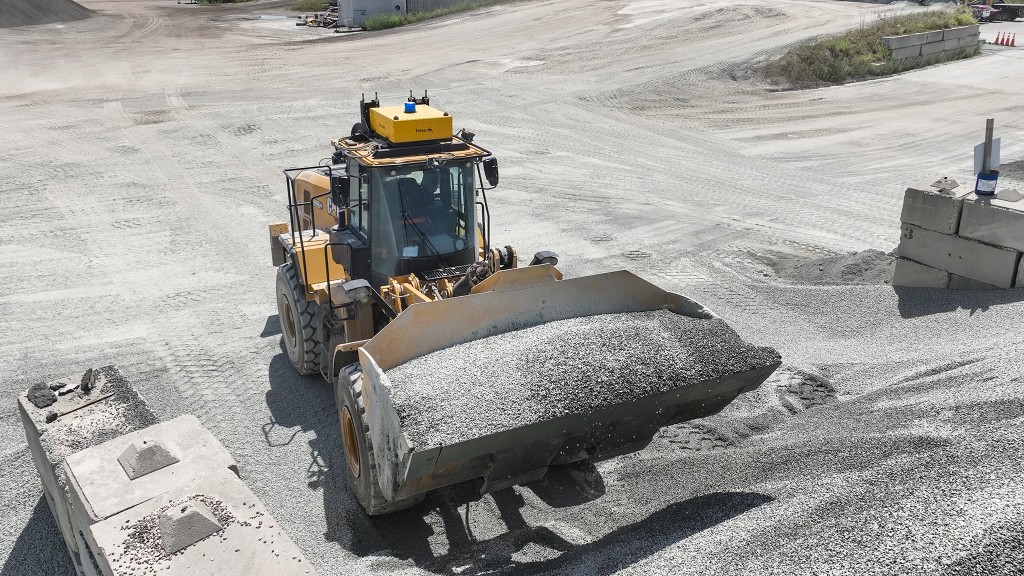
{"type": "Point", "coordinates": [300, 329]}
{"type": "Point", "coordinates": [360, 468]}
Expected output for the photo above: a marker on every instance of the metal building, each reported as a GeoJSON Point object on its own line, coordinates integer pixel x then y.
{"type": "Point", "coordinates": [353, 13]}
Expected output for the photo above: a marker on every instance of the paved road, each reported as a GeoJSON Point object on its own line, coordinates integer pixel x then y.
{"type": "Point", "coordinates": [140, 158]}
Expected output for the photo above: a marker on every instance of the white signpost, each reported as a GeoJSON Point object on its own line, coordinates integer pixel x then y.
{"type": "Point", "coordinates": [993, 158]}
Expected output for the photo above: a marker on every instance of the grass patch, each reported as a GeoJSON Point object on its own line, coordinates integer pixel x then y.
{"type": "Point", "coordinates": [310, 6]}
{"type": "Point", "coordinates": [385, 21]}
{"type": "Point", "coordinates": [860, 54]}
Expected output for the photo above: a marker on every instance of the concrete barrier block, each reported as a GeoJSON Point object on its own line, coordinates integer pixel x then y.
{"type": "Point", "coordinates": [907, 40]}
{"type": "Point", "coordinates": [961, 32]}
{"type": "Point", "coordinates": [951, 44]}
{"type": "Point", "coordinates": [916, 275]}
{"type": "Point", "coordinates": [934, 204]}
{"type": "Point", "coordinates": [102, 483]}
{"type": "Point", "coordinates": [126, 471]}
{"type": "Point", "coordinates": [957, 282]}
{"type": "Point", "coordinates": [210, 525]}
{"type": "Point", "coordinates": [68, 415]}
{"type": "Point", "coordinates": [990, 264]}
{"type": "Point", "coordinates": [906, 52]}
{"type": "Point", "coordinates": [931, 48]}
{"type": "Point", "coordinates": [90, 567]}
{"type": "Point", "coordinates": [998, 221]}
{"type": "Point", "coordinates": [1020, 275]}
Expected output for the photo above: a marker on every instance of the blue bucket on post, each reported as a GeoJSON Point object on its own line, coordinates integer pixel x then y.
{"type": "Point", "coordinates": [410, 107]}
{"type": "Point", "coordinates": [986, 183]}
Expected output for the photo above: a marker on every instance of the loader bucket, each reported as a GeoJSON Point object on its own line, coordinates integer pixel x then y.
{"type": "Point", "coordinates": [513, 300]}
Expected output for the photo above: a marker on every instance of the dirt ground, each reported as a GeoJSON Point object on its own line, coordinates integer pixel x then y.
{"type": "Point", "coordinates": [141, 153]}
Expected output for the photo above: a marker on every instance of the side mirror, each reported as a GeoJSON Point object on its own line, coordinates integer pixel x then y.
{"type": "Point", "coordinates": [339, 191]}
{"type": "Point", "coordinates": [491, 171]}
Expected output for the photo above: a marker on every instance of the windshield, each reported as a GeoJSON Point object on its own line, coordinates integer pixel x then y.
{"type": "Point", "coordinates": [421, 212]}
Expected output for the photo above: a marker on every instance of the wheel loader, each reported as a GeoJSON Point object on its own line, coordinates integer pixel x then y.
{"type": "Point", "coordinates": [387, 256]}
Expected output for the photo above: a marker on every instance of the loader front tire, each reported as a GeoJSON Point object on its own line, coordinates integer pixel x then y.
{"type": "Point", "coordinates": [300, 329]}
{"type": "Point", "coordinates": [360, 467]}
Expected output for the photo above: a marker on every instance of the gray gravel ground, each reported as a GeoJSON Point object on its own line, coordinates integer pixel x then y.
{"type": "Point", "coordinates": [140, 158]}
{"type": "Point", "coordinates": [559, 368]}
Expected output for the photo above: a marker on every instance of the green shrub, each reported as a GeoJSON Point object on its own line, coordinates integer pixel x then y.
{"type": "Point", "coordinates": [310, 5]}
{"type": "Point", "coordinates": [859, 53]}
{"type": "Point", "coordinates": [385, 21]}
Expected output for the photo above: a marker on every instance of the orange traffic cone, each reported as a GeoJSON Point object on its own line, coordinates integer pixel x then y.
{"type": "Point", "coordinates": [1013, 41]}
{"type": "Point", "coordinates": [999, 39]}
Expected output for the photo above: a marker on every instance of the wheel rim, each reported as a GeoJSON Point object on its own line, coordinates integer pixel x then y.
{"type": "Point", "coordinates": [348, 432]}
{"type": "Point", "coordinates": [287, 320]}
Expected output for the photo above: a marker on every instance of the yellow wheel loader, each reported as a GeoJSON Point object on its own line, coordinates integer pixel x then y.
{"type": "Point", "coordinates": [387, 257]}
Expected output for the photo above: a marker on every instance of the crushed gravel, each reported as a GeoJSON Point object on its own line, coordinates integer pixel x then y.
{"type": "Point", "coordinates": [564, 367]}
{"type": "Point", "coordinates": [118, 251]}
{"type": "Point", "coordinates": [865, 267]}
{"type": "Point", "coordinates": [144, 541]}
{"type": "Point", "coordinates": [32, 12]}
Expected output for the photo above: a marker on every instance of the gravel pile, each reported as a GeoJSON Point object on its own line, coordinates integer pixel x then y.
{"type": "Point", "coordinates": [565, 367]}
{"type": "Point", "coordinates": [32, 12]}
{"type": "Point", "coordinates": [866, 267]}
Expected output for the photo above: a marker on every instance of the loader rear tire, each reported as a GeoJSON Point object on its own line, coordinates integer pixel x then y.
{"type": "Point", "coordinates": [360, 467]}
{"type": "Point", "coordinates": [300, 329]}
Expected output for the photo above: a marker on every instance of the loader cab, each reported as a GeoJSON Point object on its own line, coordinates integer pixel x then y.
{"type": "Point", "coordinates": [414, 217]}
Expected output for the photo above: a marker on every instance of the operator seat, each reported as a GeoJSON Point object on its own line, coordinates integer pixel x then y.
{"type": "Point", "coordinates": [413, 199]}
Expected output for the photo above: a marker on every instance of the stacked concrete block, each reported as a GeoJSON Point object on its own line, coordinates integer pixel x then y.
{"type": "Point", "coordinates": [995, 220]}
{"type": "Point", "coordinates": [953, 239]}
{"type": "Point", "coordinates": [916, 275]}
{"type": "Point", "coordinates": [128, 470]}
{"type": "Point", "coordinates": [68, 415]}
{"type": "Point", "coordinates": [990, 264]}
{"type": "Point", "coordinates": [934, 204]}
{"type": "Point", "coordinates": [935, 45]}
{"type": "Point", "coordinates": [957, 282]}
{"type": "Point", "coordinates": [167, 498]}
{"type": "Point", "coordinates": [213, 525]}
{"type": "Point", "coordinates": [132, 496]}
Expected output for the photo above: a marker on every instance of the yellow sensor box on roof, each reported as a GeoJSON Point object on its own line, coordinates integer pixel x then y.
{"type": "Point", "coordinates": [401, 127]}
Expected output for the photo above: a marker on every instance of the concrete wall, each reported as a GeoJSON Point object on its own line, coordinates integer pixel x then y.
{"type": "Point", "coordinates": [953, 239]}
{"type": "Point", "coordinates": [933, 46]}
